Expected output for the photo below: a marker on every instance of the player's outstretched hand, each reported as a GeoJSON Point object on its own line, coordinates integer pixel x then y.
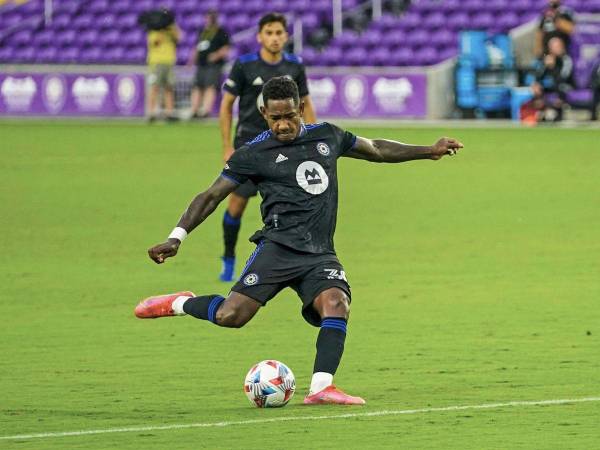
{"type": "Point", "coordinates": [445, 146]}
{"type": "Point", "coordinates": [160, 252]}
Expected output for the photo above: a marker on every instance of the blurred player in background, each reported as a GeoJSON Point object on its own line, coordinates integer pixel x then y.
{"type": "Point", "coordinates": [295, 168]}
{"type": "Point", "coordinates": [557, 21]}
{"type": "Point", "coordinates": [162, 55]}
{"type": "Point", "coordinates": [209, 55]}
{"type": "Point", "coordinates": [246, 80]}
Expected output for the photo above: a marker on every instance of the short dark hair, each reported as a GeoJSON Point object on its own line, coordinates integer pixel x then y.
{"type": "Point", "coordinates": [281, 88]}
{"type": "Point", "coordinates": [270, 18]}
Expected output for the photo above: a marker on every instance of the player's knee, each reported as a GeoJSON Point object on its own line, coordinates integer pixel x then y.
{"type": "Point", "coordinates": [336, 305]}
{"type": "Point", "coordinates": [231, 317]}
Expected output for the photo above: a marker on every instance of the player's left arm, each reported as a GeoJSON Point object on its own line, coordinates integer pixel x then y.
{"type": "Point", "coordinates": [386, 151]}
{"type": "Point", "coordinates": [199, 209]}
{"type": "Point", "coordinates": [309, 115]}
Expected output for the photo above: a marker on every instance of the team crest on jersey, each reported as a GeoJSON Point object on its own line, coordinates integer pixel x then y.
{"type": "Point", "coordinates": [312, 177]}
{"type": "Point", "coordinates": [251, 279]}
{"type": "Point", "coordinates": [323, 148]}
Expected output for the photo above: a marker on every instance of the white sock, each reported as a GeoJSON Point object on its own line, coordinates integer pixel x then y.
{"type": "Point", "coordinates": [178, 305]}
{"type": "Point", "coordinates": [320, 380]}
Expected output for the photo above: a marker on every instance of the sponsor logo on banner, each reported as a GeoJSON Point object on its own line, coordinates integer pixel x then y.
{"type": "Point", "coordinates": [125, 92]}
{"type": "Point", "coordinates": [391, 93]}
{"type": "Point", "coordinates": [18, 93]}
{"type": "Point", "coordinates": [322, 92]}
{"type": "Point", "coordinates": [354, 94]}
{"type": "Point", "coordinates": [90, 93]}
{"type": "Point", "coordinates": [54, 93]}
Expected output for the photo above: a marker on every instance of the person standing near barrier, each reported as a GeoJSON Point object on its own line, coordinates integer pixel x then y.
{"type": "Point", "coordinates": [209, 55]}
{"type": "Point", "coordinates": [162, 56]}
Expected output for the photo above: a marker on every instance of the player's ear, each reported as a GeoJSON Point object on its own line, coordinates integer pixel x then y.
{"type": "Point", "coordinates": [263, 111]}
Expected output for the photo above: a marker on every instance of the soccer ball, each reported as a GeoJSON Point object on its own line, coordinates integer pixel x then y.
{"type": "Point", "coordinates": [269, 384]}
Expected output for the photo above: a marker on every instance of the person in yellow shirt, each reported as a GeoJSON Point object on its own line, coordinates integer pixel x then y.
{"type": "Point", "coordinates": [162, 55]}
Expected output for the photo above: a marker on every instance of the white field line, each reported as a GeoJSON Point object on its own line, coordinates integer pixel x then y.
{"type": "Point", "coordinates": [298, 418]}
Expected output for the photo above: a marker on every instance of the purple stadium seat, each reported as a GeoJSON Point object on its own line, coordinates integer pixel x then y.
{"type": "Point", "coordinates": [62, 20]}
{"type": "Point", "coordinates": [443, 38]}
{"type": "Point", "coordinates": [381, 56]}
{"type": "Point", "coordinates": [418, 38]}
{"type": "Point", "coordinates": [68, 55]}
{"type": "Point", "coordinates": [459, 21]}
{"type": "Point", "coordinates": [98, 6]}
{"type": "Point", "coordinates": [482, 21]}
{"type": "Point", "coordinates": [395, 38]}
{"type": "Point", "coordinates": [402, 57]}
{"type": "Point", "coordinates": [508, 20]}
{"type": "Point", "coordinates": [45, 37]}
{"type": "Point", "coordinates": [84, 21]}
{"type": "Point", "coordinates": [426, 56]}
{"type": "Point", "coordinates": [371, 38]}
{"type": "Point", "coordinates": [310, 55]}
{"type": "Point", "coordinates": [435, 20]}
{"type": "Point", "coordinates": [66, 37]}
{"type": "Point", "coordinates": [332, 56]}
{"type": "Point", "coordinates": [24, 54]}
{"type": "Point", "coordinates": [6, 54]}
{"type": "Point", "coordinates": [88, 37]}
{"type": "Point", "coordinates": [46, 54]}
{"type": "Point", "coordinates": [22, 37]}
{"type": "Point", "coordinates": [356, 56]}
{"type": "Point", "coordinates": [110, 37]}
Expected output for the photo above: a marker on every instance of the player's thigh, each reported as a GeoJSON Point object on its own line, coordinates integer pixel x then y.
{"type": "Point", "coordinates": [237, 309]}
{"type": "Point", "coordinates": [269, 269]}
{"type": "Point", "coordinates": [324, 290]}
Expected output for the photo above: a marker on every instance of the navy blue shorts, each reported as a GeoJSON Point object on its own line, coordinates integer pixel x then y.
{"type": "Point", "coordinates": [273, 267]}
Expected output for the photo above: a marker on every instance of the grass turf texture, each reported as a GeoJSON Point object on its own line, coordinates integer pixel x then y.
{"type": "Point", "coordinates": [475, 280]}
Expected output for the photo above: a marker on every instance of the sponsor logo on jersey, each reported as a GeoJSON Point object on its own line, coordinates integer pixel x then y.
{"type": "Point", "coordinates": [226, 166]}
{"type": "Point", "coordinates": [257, 81]}
{"type": "Point", "coordinates": [312, 177]}
{"type": "Point", "coordinates": [281, 158]}
{"type": "Point", "coordinates": [250, 279]}
{"type": "Point", "coordinates": [323, 148]}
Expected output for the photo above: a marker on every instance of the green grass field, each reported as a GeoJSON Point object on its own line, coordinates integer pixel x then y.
{"type": "Point", "coordinates": [476, 280]}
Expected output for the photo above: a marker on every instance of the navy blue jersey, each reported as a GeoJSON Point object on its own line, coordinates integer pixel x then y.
{"type": "Point", "coordinates": [246, 80]}
{"type": "Point", "coordinates": [297, 182]}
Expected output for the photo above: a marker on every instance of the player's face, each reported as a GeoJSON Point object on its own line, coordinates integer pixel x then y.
{"type": "Point", "coordinates": [284, 118]}
{"type": "Point", "coordinates": [272, 37]}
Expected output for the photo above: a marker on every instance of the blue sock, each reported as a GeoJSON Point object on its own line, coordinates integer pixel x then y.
{"type": "Point", "coordinates": [330, 344]}
{"type": "Point", "coordinates": [231, 230]}
{"type": "Point", "coordinates": [204, 308]}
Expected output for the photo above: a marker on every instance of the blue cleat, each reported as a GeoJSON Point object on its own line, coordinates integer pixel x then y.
{"type": "Point", "coordinates": [228, 269]}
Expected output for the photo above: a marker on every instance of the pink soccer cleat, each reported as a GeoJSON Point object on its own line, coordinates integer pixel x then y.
{"type": "Point", "coordinates": [332, 396]}
{"type": "Point", "coordinates": [159, 306]}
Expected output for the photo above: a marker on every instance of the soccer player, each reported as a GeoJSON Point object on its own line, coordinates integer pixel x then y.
{"type": "Point", "coordinates": [246, 80]}
{"type": "Point", "coordinates": [295, 168]}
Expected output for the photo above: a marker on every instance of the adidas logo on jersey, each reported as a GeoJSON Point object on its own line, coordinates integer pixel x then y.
{"type": "Point", "coordinates": [281, 158]}
{"type": "Point", "coordinates": [257, 81]}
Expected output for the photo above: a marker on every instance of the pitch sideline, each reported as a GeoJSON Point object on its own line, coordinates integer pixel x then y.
{"type": "Point", "coordinates": [298, 418]}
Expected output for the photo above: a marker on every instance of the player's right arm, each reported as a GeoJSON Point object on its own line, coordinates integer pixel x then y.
{"type": "Point", "coordinates": [199, 209]}
{"type": "Point", "coordinates": [225, 122]}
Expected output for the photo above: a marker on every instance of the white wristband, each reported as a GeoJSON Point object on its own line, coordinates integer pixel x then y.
{"type": "Point", "coordinates": [178, 233]}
